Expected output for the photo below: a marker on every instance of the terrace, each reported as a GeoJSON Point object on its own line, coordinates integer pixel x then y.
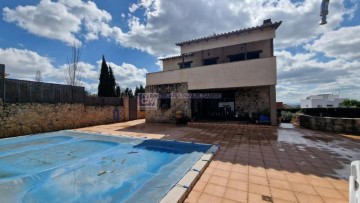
{"type": "Point", "coordinates": [260, 163]}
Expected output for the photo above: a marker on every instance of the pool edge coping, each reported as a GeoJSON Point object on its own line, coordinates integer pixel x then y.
{"type": "Point", "coordinates": [179, 192]}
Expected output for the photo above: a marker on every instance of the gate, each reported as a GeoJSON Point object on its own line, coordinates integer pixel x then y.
{"type": "Point", "coordinates": [133, 108]}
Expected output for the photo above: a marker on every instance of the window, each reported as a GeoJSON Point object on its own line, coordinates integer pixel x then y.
{"type": "Point", "coordinates": [236, 57]}
{"type": "Point", "coordinates": [253, 54]}
{"type": "Point", "coordinates": [165, 101]}
{"type": "Point", "coordinates": [319, 106]}
{"type": "Point", "coordinates": [329, 105]}
{"type": "Point", "coordinates": [210, 61]}
{"type": "Point", "coordinates": [186, 64]}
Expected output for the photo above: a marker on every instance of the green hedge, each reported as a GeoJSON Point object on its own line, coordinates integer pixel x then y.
{"type": "Point", "coordinates": [333, 112]}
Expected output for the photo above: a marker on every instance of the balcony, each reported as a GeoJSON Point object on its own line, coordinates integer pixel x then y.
{"type": "Point", "coordinates": [257, 72]}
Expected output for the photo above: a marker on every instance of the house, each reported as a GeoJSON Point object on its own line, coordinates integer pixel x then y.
{"type": "Point", "coordinates": [321, 101]}
{"type": "Point", "coordinates": [222, 77]}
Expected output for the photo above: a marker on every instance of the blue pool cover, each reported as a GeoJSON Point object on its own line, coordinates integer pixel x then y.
{"type": "Point", "coordinates": [69, 166]}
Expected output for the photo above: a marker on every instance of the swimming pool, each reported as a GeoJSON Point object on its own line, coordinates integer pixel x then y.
{"type": "Point", "coordinates": [70, 166]}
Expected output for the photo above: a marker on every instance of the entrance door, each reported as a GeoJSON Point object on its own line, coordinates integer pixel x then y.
{"type": "Point", "coordinates": [133, 108]}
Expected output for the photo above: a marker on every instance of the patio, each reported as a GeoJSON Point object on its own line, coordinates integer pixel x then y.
{"type": "Point", "coordinates": [260, 163]}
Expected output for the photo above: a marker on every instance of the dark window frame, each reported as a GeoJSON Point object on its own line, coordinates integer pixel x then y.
{"type": "Point", "coordinates": [165, 101]}
{"type": "Point", "coordinates": [253, 54]}
{"type": "Point", "coordinates": [208, 61]}
{"type": "Point", "coordinates": [186, 64]}
{"type": "Point", "coordinates": [237, 57]}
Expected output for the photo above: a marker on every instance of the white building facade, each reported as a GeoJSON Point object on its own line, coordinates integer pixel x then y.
{"type": "Point", "coordinates": [240, 65]}
{"type": "Point", "coordinates": [321, 101]}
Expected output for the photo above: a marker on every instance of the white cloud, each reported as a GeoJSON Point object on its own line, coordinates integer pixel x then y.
{"type": "Point", "coordinates": [23, 63]}
{"type": "Point", "coordinates": [127, 75]}
{"type": "Point", "coordinates": [61, 20]}
{"type": "Point", "coordinates": [170, 21]}
{"type": "Point", "coordinates": [300, 75]}
{"type": "Point", "coordinates": [342, 43]}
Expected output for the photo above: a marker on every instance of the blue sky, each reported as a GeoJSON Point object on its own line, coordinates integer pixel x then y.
{"type": "Point", "coordinates": [312, 59]}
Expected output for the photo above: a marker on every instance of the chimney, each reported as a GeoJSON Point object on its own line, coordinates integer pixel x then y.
{"type": "Point", "coordinates": [267, 22]}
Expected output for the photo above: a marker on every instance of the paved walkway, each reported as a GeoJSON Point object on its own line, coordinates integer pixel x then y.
{"type": "Point", "coordinates": [260, 163]}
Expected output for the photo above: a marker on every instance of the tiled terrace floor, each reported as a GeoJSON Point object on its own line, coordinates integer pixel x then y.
{"type": "Point", "coordinates": [260, 163]}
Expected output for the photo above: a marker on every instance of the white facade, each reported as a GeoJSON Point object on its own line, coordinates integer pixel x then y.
{"type": "Point", "coordinates": [230, 63]}
{"type": "Point", "coordinates": [321, 101]}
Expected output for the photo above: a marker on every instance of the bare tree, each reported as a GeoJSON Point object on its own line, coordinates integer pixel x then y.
{"type": "Point", "coordinates": [38, 77]}
{"type": "Point", "coordinates": [73, 72]}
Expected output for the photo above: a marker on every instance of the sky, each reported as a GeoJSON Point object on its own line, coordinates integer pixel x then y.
{"type": "Point", "coordinates": [132, 35]}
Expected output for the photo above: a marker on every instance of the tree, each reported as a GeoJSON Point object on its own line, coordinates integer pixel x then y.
{"type": "Point", "coordinates": [350, 103]}
{"type": "Point", "coordinates": [137, 91]}
{"type": "Point", "coordinates": [118, 91]}
{"type": "Point", "coordinates": [112, 83]}
{"type": "Point", "coordinates": [73, 72]}
{"type": "Point", "coordinates": [38, 77]}
{"type": "Point", "coordinates": [103, 79]}
{"type": "Point", "coordinates": [141, 89]}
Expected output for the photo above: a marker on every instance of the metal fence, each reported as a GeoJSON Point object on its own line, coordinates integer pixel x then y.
{"type": "Point", "coordinates": [21, 91]}
{"type": "Point", "coordinates": [18, 91]}
{"type": "Point", "coordinates": [103, 101]}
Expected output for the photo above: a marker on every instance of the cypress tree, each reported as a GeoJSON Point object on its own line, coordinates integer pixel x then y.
{"type": "Point", "coordinates": [117, 91]}
{"type": "Point", "coordinates": [103, 79]}
{"type": "Point", "coordinates": [112, 83]}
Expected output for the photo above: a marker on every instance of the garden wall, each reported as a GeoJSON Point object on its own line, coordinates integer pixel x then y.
{"type": "Point", "coordinates": [28, 118]}
{"type": "Point", "coordinates": [331, 124]}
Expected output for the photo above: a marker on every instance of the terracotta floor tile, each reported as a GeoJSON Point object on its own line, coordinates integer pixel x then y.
{"type": "Point", "coordinates": [224, 166]}
{"type": "Point", "coordinates": [307, 189]}
{"type": "Point", "coordinates": [216, 180]}
{"type": "Point", "coordinates": [239, 185]}
{"type": "Point", "coordinates": [275, 200]}
{"type": "Point", "coordinates": [283, 194]}
{"type": "Point", "coordinates": [258, 180]}
{"type": "Point", "coordinates": [206, 198]}
{"type": "Point", "coordinates": [326, 192]}
{"type": "Point", "coordinates": [297, 179]}
{"type": "Point", "coordinates": [199, 186]}
{"type": "Point", "coordinates": [340, 184]}
{"type": "Point", "coordinates": [193, 197]}
{"type": "Point", "coordinates": [221, 173]}
{"type": "Point", "coordinates": [332, 200]}
{"type": "Point", "coordinates": [235, 195]}
{"type": "Point", "coordinates": [321, 183]}
{"type": "Point", "coordinates": [239, 176]}
{"type": "Point", "coordinates": [281, 184]}
{"type": "Point", "coordinates": [345, 193]}
{"type": "Point", "coordinates": [256, 198]}
{"type": "Point", "coordinates": [306, 198]}
{"type": "Point", "coordinates": [276, 175]}
{"type": "Point", "coordinates": [228, 201]}
{"type": "Point", "coordinates": [259, 189]}
{"type": "Point", "coordinates": [205, 177]}
{"type": "Point", "coordinates": [216, 190]}
{"type": "Point", "coordinates": [257, 172]}
{"type": "Point", "coordinates": [238, 168]}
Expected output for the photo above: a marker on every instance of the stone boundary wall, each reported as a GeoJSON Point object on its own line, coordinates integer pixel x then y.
{"type": "Point", "coordinates": [331, 124]}
{"type": "Point", "coordinates": [29, 118]}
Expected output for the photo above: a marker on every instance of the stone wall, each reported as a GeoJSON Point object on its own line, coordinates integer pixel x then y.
{"type": "Point", "coordinates": [168, 115]}
{"type": "Point", "coordinates": [252, 99]}
{"type": "Point", "coordinates": [28, 118]}
{"type": "Point", "coordinates": [331, 124]}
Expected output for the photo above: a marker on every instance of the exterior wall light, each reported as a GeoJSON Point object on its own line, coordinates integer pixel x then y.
{"type": "Point", "coordinates": [324, 11]}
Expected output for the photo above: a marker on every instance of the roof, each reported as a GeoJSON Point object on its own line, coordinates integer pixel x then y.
{"type": "Point", "coordinates": [266, 24]}
{"type": "Point", "coordinates": [176, 56]}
